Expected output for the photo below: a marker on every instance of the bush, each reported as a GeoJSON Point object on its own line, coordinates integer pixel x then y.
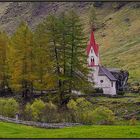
{"type": "Point", "coordinates": [35, 110]}
{"type": "Point", "coordinates": [135, 87]}
{"type": "Point", "coordinates": [40, 111]}
{"type": "Point", "coordinates": [8, 107]}
{"type": "Point", "coordinates": [79, 104]}
{"type": "Point", "coordinates": [80, 110]}
{"type": "Point", "coordinates": [28, 112]}
{"type": "Point", "coordinates": [103, 115]}
{"type": "Point", "coordinates": [2, 105]}
{"type": "Point", "coordinates": [133, 121]}
{"type": "Point", "coordinates": [89, 90]}
{"type": "Point", "coordinates": [50, 113]}
{"type": "Point", "coordinates": [121, 93]}
{"type": "Point", "coordinates": [87, 117]}
{"type": "Point", "coordinates": [98, 90]}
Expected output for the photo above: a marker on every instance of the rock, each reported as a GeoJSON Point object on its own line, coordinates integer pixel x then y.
{"type": "Point", "coordinates": [136, 5]}
{"type": "Point", "coordinates": [127, 20]}
{"type": "Point", "coordinates": [103, 35]}
{"type": "Point", "coordinates": [98, 4]}
{"type": "Point", "coordinates": [119, 5]}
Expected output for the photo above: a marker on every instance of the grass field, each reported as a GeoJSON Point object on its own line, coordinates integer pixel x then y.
{"type": "Point", "coordinates": [9, 130]}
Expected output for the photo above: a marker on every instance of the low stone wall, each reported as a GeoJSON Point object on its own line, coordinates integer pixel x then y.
{"type": "Point", "coordinates": [38, 124]}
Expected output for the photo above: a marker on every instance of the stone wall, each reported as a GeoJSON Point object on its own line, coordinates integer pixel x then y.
{"type": "Point", "coordinates": [38, 124]}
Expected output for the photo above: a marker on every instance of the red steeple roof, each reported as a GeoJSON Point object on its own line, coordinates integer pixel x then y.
{"type": "Point", "coordinates": [92, 44]}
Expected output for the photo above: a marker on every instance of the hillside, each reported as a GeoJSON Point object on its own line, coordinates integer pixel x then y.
{"type": "Point", "coordinates": [118, 33]}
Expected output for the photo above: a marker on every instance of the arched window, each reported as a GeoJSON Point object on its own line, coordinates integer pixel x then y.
{"type": "Point", "coordinates": [92, 61]}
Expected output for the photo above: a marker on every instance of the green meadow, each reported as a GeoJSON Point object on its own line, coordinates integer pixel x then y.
{"type": "Point", "coordinates": [9, 130]}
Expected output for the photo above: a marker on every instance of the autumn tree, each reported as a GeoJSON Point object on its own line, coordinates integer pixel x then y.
{"type": "Point", "coordinates": [22, 59]}
{"type": "Point", "coordinates": [3, 61]}
{"type": "Point", "coordinates": [51, 27]}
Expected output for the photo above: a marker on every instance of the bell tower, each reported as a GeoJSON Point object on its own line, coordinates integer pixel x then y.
{"type": "Point", "coordinates": [93, 58]}
{"type": "Point", "coordinates": [92, 52]}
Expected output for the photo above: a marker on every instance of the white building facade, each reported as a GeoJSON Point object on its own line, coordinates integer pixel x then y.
{"type": "Point", "coordinates": [100, 75]}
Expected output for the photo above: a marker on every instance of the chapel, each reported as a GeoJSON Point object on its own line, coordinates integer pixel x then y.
{"type": "Point", "coordinates": [110, 80]}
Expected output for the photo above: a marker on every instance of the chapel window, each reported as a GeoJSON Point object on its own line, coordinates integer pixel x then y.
{"type": "Point", "coordinates": [101, 81]}
{"type": "Point", "coordinates": [112, 84]}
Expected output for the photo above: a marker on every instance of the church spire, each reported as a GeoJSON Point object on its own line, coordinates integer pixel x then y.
{"type": "Point", "coordinates": [92, 51]}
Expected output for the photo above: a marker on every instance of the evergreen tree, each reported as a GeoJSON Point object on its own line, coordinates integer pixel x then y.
{"type": "Point", "coordinates": [67, 46]}
{"type": "Point", "coordinates": [63, 39]}
{"type": "Point", "coordinates": [43, 64]}
{"type": "Point", "coordinates": [51, 27]}
{"type": "Point", "coordinates": [77, 62]}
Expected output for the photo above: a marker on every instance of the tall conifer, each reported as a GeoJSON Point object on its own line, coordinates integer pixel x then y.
{"type": "Point", "coordinates": [22, 64]}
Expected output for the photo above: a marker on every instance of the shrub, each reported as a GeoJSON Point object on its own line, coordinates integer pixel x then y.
{"type": "Point", "coordinates": [35, 110]}
{"type": "Point", "coordinates": [2, 104]}
{"type": "Point", "coordinates": [72, 105]}
{"type": "Point", "coordinates": [40, 111]}
{"type": "Point", "coordinates": [80, 110]}
{"type": "Point", "coordinates": [98, 90]}
{"type": "Point", "coordinates": [28, 112]}
{"type": "Point", "coordinates": [121, 93]}
{"type": "Point", "coordinates": [89, 91]}
{"type": "Point", "coordinates": [80, 104]}
{"type": "Point", "coordinates": [87, 117]}
{"type": "Point", "coordinates": [50, 113]}
{"type": "Point", "coordinates": [133, 121]}
{"type": "Point", "coordinates": [8, 107]}
{"type": "Point", "coordinates": [103, 115]}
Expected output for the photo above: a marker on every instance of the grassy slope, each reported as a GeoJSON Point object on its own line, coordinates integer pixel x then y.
{"type": "Point", "coordinates": [8, 130]}
{"type": "Point", "coordinates": [121, 46]}
{"type": "Point", "coordinates": [120, 106]}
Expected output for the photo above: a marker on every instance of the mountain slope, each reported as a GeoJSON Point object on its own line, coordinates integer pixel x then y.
{"type": "Point", "coordinates": [118, 33]}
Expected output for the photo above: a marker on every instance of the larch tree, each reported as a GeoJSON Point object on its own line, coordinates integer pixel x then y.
{"type": "Point", "coordinates": [51, 27]}
{"type": "Point", "coordinates": [63, 39]}
{"type": "Point", "coordinates": [44, 74]}
{"type": "Point", "coordinates": [77, 61]}
{"type": "Point", "coordinates": [67, 45]}
{"type": "Point", "coordinates": [22, 64]}
{"type": "Point", "coordinates": [4, 75]}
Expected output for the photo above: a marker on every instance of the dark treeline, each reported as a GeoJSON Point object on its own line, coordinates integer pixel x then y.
{"type": "Point", "coordinates": [51, 57]}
